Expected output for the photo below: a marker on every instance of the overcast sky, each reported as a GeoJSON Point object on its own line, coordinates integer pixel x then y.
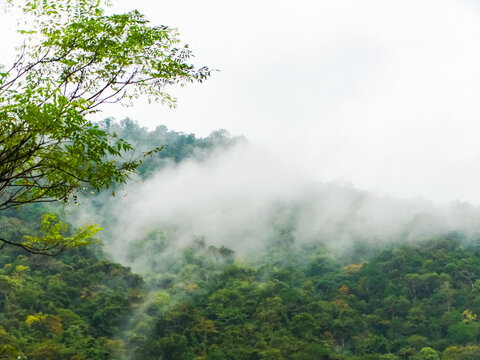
{"type": "Point", "coordinates": [383, 94]}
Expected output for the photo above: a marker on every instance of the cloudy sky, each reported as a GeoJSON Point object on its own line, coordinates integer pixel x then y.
{"type": "Point", "coordinates": [383, 94]}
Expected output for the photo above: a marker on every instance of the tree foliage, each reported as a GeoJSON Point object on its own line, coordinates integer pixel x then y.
{"type": "Point", "coordinates": [293, 299]}
{"type": "Point", "coordinates": [76, 58]}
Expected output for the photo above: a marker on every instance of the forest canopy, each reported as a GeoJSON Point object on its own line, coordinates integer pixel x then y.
{"type": "Point", "coordinates": [294, 299]}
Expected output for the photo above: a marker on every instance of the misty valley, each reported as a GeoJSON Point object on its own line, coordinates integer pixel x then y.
{"type": "Point", "coordinates": [217, 250]}
{"type": "Point", "coordinates": [338, 217]}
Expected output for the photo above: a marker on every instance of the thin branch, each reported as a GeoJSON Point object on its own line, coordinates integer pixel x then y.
{"type": "Point", "coordinates": [33, 250]}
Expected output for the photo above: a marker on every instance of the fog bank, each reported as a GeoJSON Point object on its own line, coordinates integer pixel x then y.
{"type": "Point", "coordinates": [242, 197]}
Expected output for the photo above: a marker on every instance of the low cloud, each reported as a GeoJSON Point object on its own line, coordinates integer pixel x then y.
{"type": "Point", "coordinates": [243, 197]}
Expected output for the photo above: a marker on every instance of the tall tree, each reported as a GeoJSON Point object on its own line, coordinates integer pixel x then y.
{"type": "Point", "coordinates": [75, 59]}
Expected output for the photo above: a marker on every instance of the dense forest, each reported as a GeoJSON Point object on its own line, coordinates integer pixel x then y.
{"type": "Point", "coordinates": [210, 249]}
{"type": "Point", "coordinates": [290, 300]}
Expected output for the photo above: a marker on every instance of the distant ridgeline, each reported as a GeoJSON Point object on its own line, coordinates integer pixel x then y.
{"type": "Point", "coordinates": [176, 146]}
{"type": "Point", "coordinates": [414, 300]}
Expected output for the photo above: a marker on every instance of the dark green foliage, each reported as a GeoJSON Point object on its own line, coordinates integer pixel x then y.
{"type": "Point", "coordinates": [401, 301]}
{"type": "Point", "coordinates": [399, 304]}
{"type": "Point", "coordinates": [71, 307]}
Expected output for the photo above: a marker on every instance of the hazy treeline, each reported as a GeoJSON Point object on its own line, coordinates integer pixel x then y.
{"type": "Point", "coordinates": [413, 301]}
{"type": "Point", "coordinates": [175, 146]}
{"type": "Point", "coordinates": [236, 194]}
{"type": "Point", "coordinates": [242, 256]}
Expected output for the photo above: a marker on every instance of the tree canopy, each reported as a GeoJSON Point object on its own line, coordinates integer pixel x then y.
{"type": "Point", "coordinates": [76, 58]}
{"type": "Point", "coordinates": [290, 298]}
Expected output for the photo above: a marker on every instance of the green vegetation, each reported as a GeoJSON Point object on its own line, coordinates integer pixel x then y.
{"type": "Point", "coordinates": [175, 146]}
{"type": "Point", "coordinates": [293, 300]}
{"type": "Point", "coordinates": [407, 302]}
{"type": "Point", "coordinates": [71, 307]}
{"type": "Point", "coordinates": [416, 301]}
{"type": "Point", "coordinates": [75, 59]}
{"type": "Point", "coordinates": [78, 304]}
{"type": "Point", "coordinates": [290, 301]}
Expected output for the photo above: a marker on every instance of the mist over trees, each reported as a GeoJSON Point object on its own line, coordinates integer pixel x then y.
{"type": "Point", "coordinates": [213, 249]}
{"type": "Point", "coordinates": [197, 298]}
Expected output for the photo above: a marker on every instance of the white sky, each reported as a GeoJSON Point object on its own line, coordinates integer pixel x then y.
{"type": "Point", "coordinates": [384, 94]}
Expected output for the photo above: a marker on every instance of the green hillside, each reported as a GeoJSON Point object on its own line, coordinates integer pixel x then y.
{"type": "Point", "coordinates": [291, 300]}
